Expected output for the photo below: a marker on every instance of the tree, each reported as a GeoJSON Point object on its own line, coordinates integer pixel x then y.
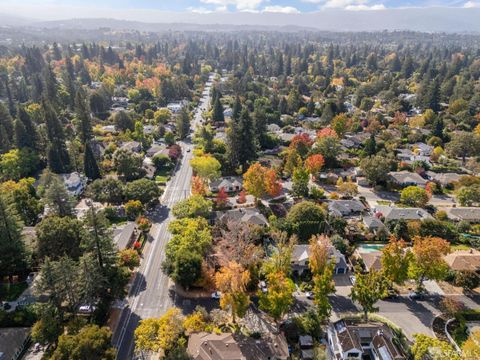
{"type": "Point", "coordinates": [428, 262]}
{"type": "Point", "coordinates": [426, 347]}
{"type": "Point", "coordinates": [314, 164]}
{"type": "Point", "coordinates": [128, 164]}
{"type": "Point", "coordinates": [56, 197]}
{"type": "Point", "coordinates": [196, 321]}
{"type": "Point", "coordinates": [347, 188]}
{"type": "Point", "coordinates": [217, 112]}
{"type": "Point", "coordinates": [279, 296]}
{"type": "Point", "coordinates": [414, 196]}
{"type": "Point", "coordinates": [254, 180]}
{"type": "Point", "coordinates": [241, 140]}
{"type": "Point", "coordinates": [305, 219]}
{"type": "Point", "coordinates": [292, 160]}
{"type": "Point", "coordinates": [83, 116]}
{"type": "Point", "coordinates": [323, 285]}
{"type": "Point", "coordinates": [23, 197]}
{"type": "Point", "coordinates": [57, 154]}
{"type": "Point", "coordinates": [300, 180]}
{"type": "Point", "coordinates": [368, 289]}
{"type": "Point", "coordinates": [463, 144]}
{"type": "Point", "coordinates": [162, 116]}
{"type": "Point", "coordinates": [91, 342]}
{"type": "Point", "coordinates": [232, 280]}
{"type": "Point", "coordinates": [273, 186]}
{"type": "Point", "coordinates": [471, 347]}
{"type": "Point", "coordinates": [376, 169]}
{"type": "Point", "coordinates": [144, 190]}
{"type": "Point", "coordinates": [18, 163]}
{"type": "Point", "coordinates": [194, 206]}
{"type": "Point", "coordinates": [396, 261]}
{"type": "Point", "coordinates": [13, 257]}
{"type": "Point", "coordinates": [469, 195]}
{"type": "Point", "coordinates": [198, 186]}
{"type": "Point", "coordinates": [222, 198]}
{"type": "Point", "coordinates": [133, 209]}
{"type": "Point", "coordinates": [47, 328]}
{"type": "Point", "coordinates": [58, 236]}
{"type": "Point", "coordinates": [183, 123]}
{"type": "Point", "coordinates": [328, 146]}
{"type": "Point", "coordinates": [129, 258]}
{"type": "Point", "coordinates": [302, 144]}
{"type": "Point", "coordinates": [206, 166]}
{"type": "Point", "coordinates": [340, 124]}
{"type": "Point", "coordinates": [122, 121]}
{"type": "Point", "coordinates": [90, 165]}
{"type": "Point", "coordinates": [107, 190]}
{"type": "Point", "coordinates": [159, 334]}
{"type": "Point", "coordinates": [25, 131]}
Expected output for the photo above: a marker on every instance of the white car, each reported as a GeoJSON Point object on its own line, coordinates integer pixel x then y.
{"type": "Point", "coordinates": [309, 295]}
{"type": "Point", "coordinates": [216, 295]}
{"type": "Point", "coordinates": [86, 309]}
{"type": "Point", "coordinates": [263, 286]}
{"type": "Point", "coordinates": [352, 279]}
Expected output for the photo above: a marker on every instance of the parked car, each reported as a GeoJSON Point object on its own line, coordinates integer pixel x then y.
{"type": "Point", "coordinates": [216, 295]}
{"type": "Point", "coordinates": [309, 295]}
{"type": "Point", "coordinates": [416, 295]}
{"type": "Point", "coordinates": [87, 309]}
{"type": "Point", "coordinates": [263, 286]}
{"type": "Point", "coordinates": [391, 294]}
{"type": "Point", "coordinates": [352, 279]}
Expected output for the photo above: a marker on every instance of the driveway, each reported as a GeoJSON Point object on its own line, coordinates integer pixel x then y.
{"type": "Point", "coordinates": [373, 197]}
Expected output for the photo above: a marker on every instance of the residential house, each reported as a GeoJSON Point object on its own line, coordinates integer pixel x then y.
{"type": "Point", "coordinates": [176, 107]}
{"type": "Point", "coordinates": [463, 260]}
{"type": "Point", "coordinates": [469, 214]}
{"type": "Point", "coordinates": [345, 207]}
{"type": "Point", "coordinates": [396, 213]}
{"type": "Point", "coordinates": [229, 184]}
{"type": "Point", "coordinates": [422, 149]}
{"type": "Point", "coordinates": [125, 236]}
{"type": "Point", "coordinates": [244, 215]}
{"type": "Point", "coordinates": [119, 102]}
{"type": "Point", "coordinates": [373, 223]}
{"type": "Point", "coordinates": [406, 178]}
{"type": "Point", "coordinates": [13, 342]}
{"type": "Point", "coordinates": [301, 255]}
{"type": "Point", "coordinates": [306, 347]}
{"type": "Point", "coordinates": [353, 340]}
{"type": "Point", "coordinates": [133, 146]}
{"type": "Point", "coordinates": [228, 346]}
{"type": "Point", "coordinates": [110, 129]}
{"type": "Point", "coordinates": [74, 183]}
{"type": "Point", "coordinates": [444, 179]}
{"type": "Point", "coordinates": [156, 149]}
{"type": "Point", "coordinates": [371, 260]}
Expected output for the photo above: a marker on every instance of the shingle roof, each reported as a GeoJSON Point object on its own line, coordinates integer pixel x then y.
{"type": "Point", "coordinates": [396, 213]}
{"type": "Point", "coordinates": [407, 177]}
{"type": "Point", "coordinates": [464, 260]}
{"type": "Point", "coordinates": [464, 213]}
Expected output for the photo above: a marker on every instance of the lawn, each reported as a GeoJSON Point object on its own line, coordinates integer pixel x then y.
{"type": "Point", "coordinates": [10, 292]}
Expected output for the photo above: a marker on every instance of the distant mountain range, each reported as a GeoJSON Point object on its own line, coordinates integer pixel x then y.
{"type": "Point", "coordinates": [437, 19]}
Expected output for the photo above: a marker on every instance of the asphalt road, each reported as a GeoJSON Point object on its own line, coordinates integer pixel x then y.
{"type": "Point", "coordinates": [150, 295]}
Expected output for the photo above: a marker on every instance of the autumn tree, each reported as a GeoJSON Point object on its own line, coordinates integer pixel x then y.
{"type": "Point", "coordinates": [471, 347]}
{"type": "Point", "coordinates": [314, 164]}
{"type": "Point", "coordinates": [414, 196]}
{"type": "Point", "coordinates": [347, 188]}
{"type": "Point", "coordinates": [300, 181]}
{"type": "Point", "coordinates": [279, 296]}
{"type": "Point", "coordinates": [198, 186]}
{"type": "Point", "coordinates": [368, 289]}
{"type": "Point", "coordinates": [273, 186]}
{"type": "Point", "coordinates": [302, 144]}
{"type": "Point", "coordinates": [254, 180]}
{"type": "Point", "coordinates": [206, 167]}
{"type": "Point", "coordinates": [428, 262]}
{"type": "Point", "coordinates": [221, 198]}
{"type": "Point", "coordinates": [426, 347]}
{"type": "Point", "coordinates": [231, 281]}
{"type": "Point", "coordinates": [194, 206]}
{"type": "Point", "coordinates": [161, 333]}
{"type": "Point", "coordinates": [396, 261]}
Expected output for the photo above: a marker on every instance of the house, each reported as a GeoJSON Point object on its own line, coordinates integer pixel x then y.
{"type": "Point", "coordinates": [125, 236]}
{"type": "Point", "coordinates": [422, 149]}
{"type": "Point", "coordinates": [352, 340]}
{"type": "Point", "coordinates": [209, 346]}
{"type": "Point", "coordinates": [74, 183]}
{"type": "Point", "coordinates": [133, 146]}
{"type": "Point", "coordinates": [373, 223]}
{"type": "Point", "coordinates": [372, 260]}
{"type": "Point", "coordinates": [110, 129]}
{"type": "Point", "coordinates": [469, 214]}
{"type": "Point", "coordinates": [156, 149]}
{"type": "Point", "coordinates": [463, 260]}
{"type": "Point", "coordinates": [175, 107]}
{"type": "Point", "coordinates": [396, 213]}
{"type": "Point", "coordinates": [228, 112]}
{"type": "Point", "coordinates": [249, 216]}
{"type": "Point", "coordinates": [301, 254]}
{"type": "Point", "coordinates": [306, 347]}
{"type": "Point", "coordinates": [119, 102]}
{"type": "Point", "coordinates": [406, 178]}
{"type": "Point", "coordinates": [13, 342]}
{"type": "Point", "coordinates": [229, 184]}
{"type": "Point", "coordinates": [345, 207]}
{"type": "Point", "coordinates": [444, 179]}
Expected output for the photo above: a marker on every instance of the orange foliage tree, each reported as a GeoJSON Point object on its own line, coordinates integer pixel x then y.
{"type": "Point", "coordinates": [314, 164]}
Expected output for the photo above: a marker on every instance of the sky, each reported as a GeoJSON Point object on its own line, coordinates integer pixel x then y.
{"type": "Point", "coordinates": [145, 9]}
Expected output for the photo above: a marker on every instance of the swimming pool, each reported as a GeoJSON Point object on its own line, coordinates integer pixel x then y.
{"type": "Point", "coordinates": [368, 248]}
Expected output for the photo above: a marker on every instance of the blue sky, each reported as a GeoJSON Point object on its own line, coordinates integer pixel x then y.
{"type": "Point", "coordinates": [143, 9]}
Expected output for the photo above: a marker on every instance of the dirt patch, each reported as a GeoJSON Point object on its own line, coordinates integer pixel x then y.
{"type": "Point", "coordinates": [438, 327]}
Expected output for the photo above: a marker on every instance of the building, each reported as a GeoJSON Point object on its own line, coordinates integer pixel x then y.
{"type": "Point", "coordinates": [249, 216]}
{"type": "Point", "coordinates": [133, 146]}
{"type": "Point", "coordinates": [74, 183]}
{"type": "Point", "coordinates": [301, 255]}
{"type": "Point", "coordinates": [406, 178]}
{"type": "Point", "coordinates": [464, 260]}
{"type": "Point", "coordinates": [396, 213]}
{"type": "Point", "coordinates": [469, 214]}
{"type": "Point", "coordinates": [373, 223]}
{"type": "Point", "coordinates": [345, 207]}
{"type": "Point", "coordinates": [352, 340]}
{"type": "Point", "coordinates": [229, 184]}
{"type": "Point", "coordinates": [371, 260]}
{"type": "Point", "coordinates": [13, 341]}
{"type": "Point", "coordinates": [125, 236]}
{"type": "Point", "coordinates": [228, 346]}
{"type": "Point", "coordinates": [444, 179]}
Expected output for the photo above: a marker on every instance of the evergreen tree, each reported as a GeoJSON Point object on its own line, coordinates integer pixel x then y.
{"type": "Point", "coordinates": [183, 124]}
{"type": "Point", "coordinates": [51, 85]}
{"type": "Point", "coordinates": [246, 135]}
{"type": "Point", "coordinates": [6, 129]}
{"type": "Point", "coordinates": [90, 164]}
{"type": "Point", "coordinates": [25, 131]}
{"type": "Point", "coordinates": [237, 108]}
{"type": "Point", "coordinates": [13, 254]}
{"type": "Point", "coordinates": [82, 112]}
{"type": "Point", "coordinates": [57, 154]}
{"type": "Point", "coordinates": [217, 113]}
{"type": "Point", "coordinates": [371, 146]}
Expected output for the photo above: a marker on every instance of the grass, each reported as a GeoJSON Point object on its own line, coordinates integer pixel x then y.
{"type": "Point", "coordinates": [10, 292]}
{"type": "Point", "coordinates": [460, 247]}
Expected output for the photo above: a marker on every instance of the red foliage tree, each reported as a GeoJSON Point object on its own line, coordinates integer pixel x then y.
{"type": "Point", "coordinates": [242, 197]}
{"type": "Point", "coordinates": [222, 197]}
{"type": "Point", "coordinates": [272, 185]}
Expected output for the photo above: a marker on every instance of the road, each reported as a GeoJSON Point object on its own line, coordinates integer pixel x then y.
{"type": "Point", "coordinates": [150, 295]}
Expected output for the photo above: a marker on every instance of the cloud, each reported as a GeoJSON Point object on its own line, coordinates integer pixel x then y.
{"type": "Point", "coordinates": [365, 7]}
{"type": "Point", "coordinates": [241, 5]}
{"type": "Point", "coordinates": [281, 9]}
{"type": "Point", "coordinates": [471, 4]}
